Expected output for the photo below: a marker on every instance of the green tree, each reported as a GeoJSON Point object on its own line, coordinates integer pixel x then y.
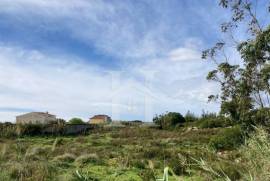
{"type": "Point", "coordinates": [244, 86]}
{"type": "Point", "coordinates": [169, 120]}
{"type": "Point", "coordinates": [190, 117]}
{"type": "Point", "coordinates": [76, 121]}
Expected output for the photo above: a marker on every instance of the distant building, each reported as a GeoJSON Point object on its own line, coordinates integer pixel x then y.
{"type": "Point", "coordinates": [100, 119]}
{"type": "Point", "coordinates": [36, 118]}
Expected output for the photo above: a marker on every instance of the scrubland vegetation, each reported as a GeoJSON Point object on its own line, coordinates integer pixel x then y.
{"type": "Point", "coordinates": [138, 153]}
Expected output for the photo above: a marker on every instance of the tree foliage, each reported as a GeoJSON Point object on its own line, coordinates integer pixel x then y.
{"type": "Point", "coordinates": [169, 120]}
{"type": "Point", "coordinates": [190, 117]}
{"type": "Point", "coordinates": [244, 86]}
{"type": "Point", "coordinates": [76, 121]}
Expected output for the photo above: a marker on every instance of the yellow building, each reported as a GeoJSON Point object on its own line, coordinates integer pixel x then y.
{"type": "Point", "coordinates": [100, 119]}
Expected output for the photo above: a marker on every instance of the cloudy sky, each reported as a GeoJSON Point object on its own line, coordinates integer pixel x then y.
{"type": "Point", "coordinates": [128, 59]}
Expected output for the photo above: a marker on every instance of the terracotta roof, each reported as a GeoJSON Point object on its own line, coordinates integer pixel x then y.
{"type": "Point", "coordinates": [99, 117]}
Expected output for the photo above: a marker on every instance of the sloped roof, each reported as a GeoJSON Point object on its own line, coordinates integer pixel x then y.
{"type": "Point", "coordinates": [39, 113]}
{"type": "Point", "coordinates": [100, 116]}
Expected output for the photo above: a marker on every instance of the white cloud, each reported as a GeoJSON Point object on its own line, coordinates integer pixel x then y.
{"type": "Point", "coordinates": [189, 51]}
{"type": "Point", "coordinates": [32, 80]}
{"type": "Point", "coordinates": [162, 69]}
{"type": "Point", "coordinates": [119, 29]}
{"type": "Point", "coordinates": [184, 54]}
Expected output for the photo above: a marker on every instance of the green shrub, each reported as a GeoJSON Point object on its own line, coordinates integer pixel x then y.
{"type": "Point", "coordinates": [214, 122]}
{"type": "Point", "coordinates": [257, 117]}
{"type": "Point", "coordinates": [7, 130]}
{"type": "Point", "coordinates": [262, 117]}
{"type": "Point", "coordinates": [227, 139]}
{"type": "Point", "coordinates": [76, 121]}
{"type": "Point", "coordinates": [169, 120]}
{"type": "Point", "coordinates": [29, 129]}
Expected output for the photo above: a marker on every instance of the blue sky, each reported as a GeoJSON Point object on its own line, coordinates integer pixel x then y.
{"type": "Point", "coordinates": [128, 59]}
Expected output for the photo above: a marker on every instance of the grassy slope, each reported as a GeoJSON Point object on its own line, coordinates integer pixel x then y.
{"type": "Point", "coordinates": [118, 154]}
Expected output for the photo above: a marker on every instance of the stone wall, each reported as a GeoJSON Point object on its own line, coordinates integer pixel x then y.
{"type": "Point", "coordinates": [68, 129]}
{"type": "Point", "coordinates": [49, 129]}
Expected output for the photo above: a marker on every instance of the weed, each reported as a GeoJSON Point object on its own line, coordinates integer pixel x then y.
{"type": "Point", "coordinates": [67, 157]}
{"type": "Point", "coordinates": [87, 158]}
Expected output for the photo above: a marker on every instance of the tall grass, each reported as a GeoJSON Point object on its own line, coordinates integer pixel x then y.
{"type": "Point", "coordinates": [256, 155]}
{"type": "Point", "coordinates": [3, 151]}
{"type": "Point", "coordinates": [254, 159]}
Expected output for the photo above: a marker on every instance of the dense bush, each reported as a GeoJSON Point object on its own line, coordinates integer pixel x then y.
{"type": "Point", "coordinates": [169, 120]}
{"type": "Point", "coordinates": [39, 129]}
{"type": "Point", "coordinates": [29, 129]}
{"type": "Point", "coordinates": [76, 121]}
{"type": "Point", "coordinates": [257, 117]}
{"type": "Point", "coordinates": [227, 139]}
{"type": "Point", "coordinates": [7, 130]}
{"type": "Point", "coordinates": [214, 122]}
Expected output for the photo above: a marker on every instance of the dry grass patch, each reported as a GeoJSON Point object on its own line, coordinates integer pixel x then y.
{"type": "Point", "coordinates": [87, 158]}
{"type": "Point", "coordinates": [67, 157]}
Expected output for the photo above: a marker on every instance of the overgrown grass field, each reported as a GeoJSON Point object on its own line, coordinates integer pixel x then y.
{"type": "Point", "coordinates": [122, 154]}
